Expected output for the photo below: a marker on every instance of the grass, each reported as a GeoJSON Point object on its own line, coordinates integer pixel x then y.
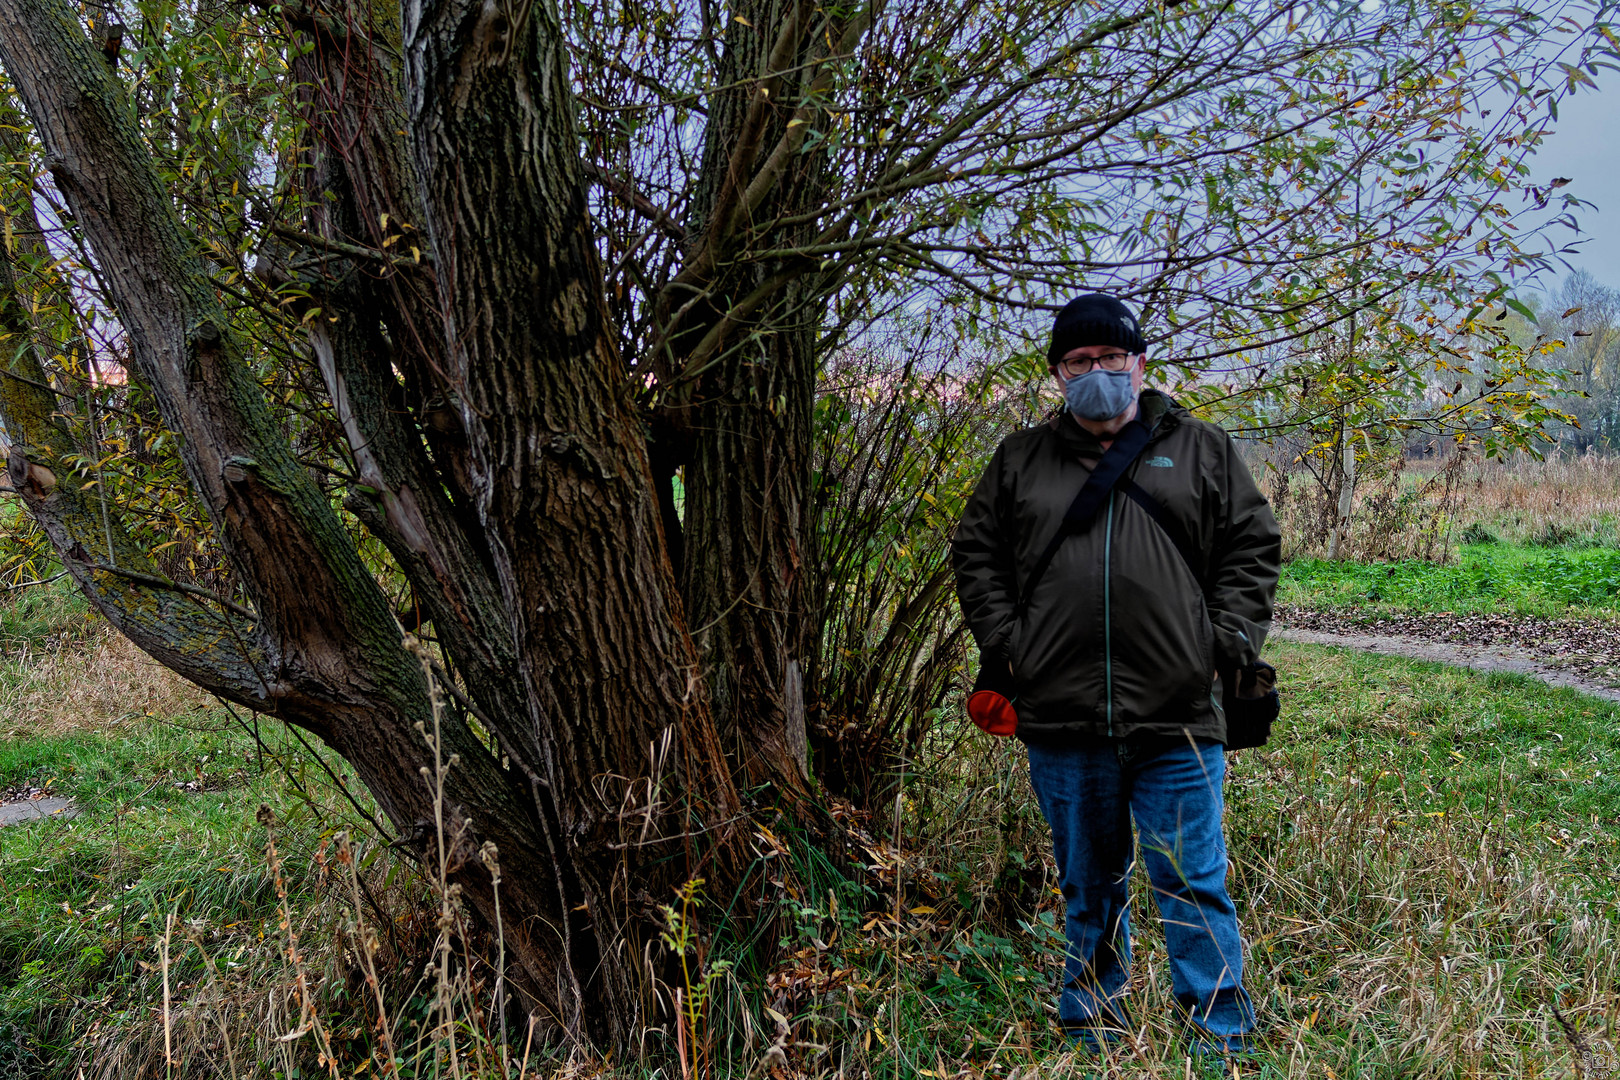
{"type": "Point", "coordinates": [1529, 538]}
{"type": "Point", "coordinates": [1490, 577]}
{"type": "Point", "coordinates": [1443, 836]}
{"type": "Point", "coordinates": [161, 871]}
{"type": "Point", "coordinates": [1428, 509]}
{"type": "Point", "coordinates": [1558, 500]}
{"type": "Point", "coordinates": [1423, 861]}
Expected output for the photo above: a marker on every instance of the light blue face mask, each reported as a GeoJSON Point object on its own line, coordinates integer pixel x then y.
{"type": "Point", "coordinates": [1099, 394]}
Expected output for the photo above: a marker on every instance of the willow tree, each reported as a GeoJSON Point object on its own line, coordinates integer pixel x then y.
{"type": "Point", "coordinates": [491, 284]}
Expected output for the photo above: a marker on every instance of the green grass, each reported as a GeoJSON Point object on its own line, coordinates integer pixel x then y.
{"type": "Point", "coordinates": [43, 616]}
{"type": "Point", "coordinates": [165, 828]}
{"type": "Point", "coordinates": [1423, 860]}
{"type": "Point", "coordinates": [1485, 578]}
{"type": "Point", "coordinates": [164, 845]}
{"type": "Point", "coordinates": [87, 898]}
{"type": "Point", "coordinates": [1423, 740]}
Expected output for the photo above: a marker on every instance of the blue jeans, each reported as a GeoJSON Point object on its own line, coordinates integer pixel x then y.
{"type": "Point", "coordinates": [1089, 794]}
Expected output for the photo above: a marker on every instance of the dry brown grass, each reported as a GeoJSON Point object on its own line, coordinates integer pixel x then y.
{"type": "Point", "coordinates": [93, 682]}
{"type": "Point", "coordinates": [1552, 501]}
{"type": "Point", "coordinates": [1425, 508]}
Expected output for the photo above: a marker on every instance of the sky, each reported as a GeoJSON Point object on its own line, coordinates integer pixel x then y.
{"type": "Point", "coordinates": [1584, 147]}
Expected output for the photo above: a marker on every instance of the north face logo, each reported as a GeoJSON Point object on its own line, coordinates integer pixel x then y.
{"type": "Point", "coordinates": [1161, 463]}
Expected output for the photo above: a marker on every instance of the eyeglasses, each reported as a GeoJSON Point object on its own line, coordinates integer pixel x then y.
{"type": "Point", "coordinates": [1079, 366]}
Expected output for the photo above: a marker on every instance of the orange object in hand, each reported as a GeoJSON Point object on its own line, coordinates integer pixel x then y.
{"type": "Point", "coordinates": [990, 704]}
{"type": "Point", "coordinates": [993, 713]}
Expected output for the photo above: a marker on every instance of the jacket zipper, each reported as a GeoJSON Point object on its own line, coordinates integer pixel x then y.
{"type": "Point", "coordinates": [1108, 619]}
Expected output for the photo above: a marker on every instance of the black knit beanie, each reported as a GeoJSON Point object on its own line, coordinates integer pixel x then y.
{"type": "Point", "coordinates": [1094, 319]}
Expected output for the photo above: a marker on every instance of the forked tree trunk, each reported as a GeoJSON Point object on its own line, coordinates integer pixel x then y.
{"type": "Point", "coordinates": [563, 613]}
{"type": "Point", "coordinates": [745, 361]}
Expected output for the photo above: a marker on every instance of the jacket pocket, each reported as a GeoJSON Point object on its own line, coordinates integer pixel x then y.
{"type": "Point", "coordinates": [1206, 641]}
{"type": "Point", "coordinates": [1162, 652]}
{"type": "Point", "coordinates": [1015, 643]}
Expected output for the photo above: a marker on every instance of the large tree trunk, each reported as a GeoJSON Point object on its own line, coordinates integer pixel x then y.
{"type": "Point", "coordinates": [616, 700]}
{"type": "Point", "coordinates": [747, 510]}
{"type": "Point", "coordinates": [320, 647]}
{"type": "Point", "coordinates": [742, 368]}
{"type": "Point", "coordinates": [559, 609]}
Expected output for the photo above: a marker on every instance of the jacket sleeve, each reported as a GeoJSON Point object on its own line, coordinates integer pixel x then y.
{"type": "Point", "coordinates": [1245, 562]}
{"type": "Point", "coordinates": [982, 555]}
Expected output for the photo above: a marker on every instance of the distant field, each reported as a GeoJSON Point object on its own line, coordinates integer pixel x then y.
{"type": "Point", "coordinates": [1429, 510]}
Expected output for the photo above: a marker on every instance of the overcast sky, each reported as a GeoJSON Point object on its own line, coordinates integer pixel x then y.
{"type": "Point", "coordinates": [1584, 147]}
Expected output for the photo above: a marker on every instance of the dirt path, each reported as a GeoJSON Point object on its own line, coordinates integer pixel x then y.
{"type": "Point", "coordinates": [1581, 655]}
{"type": "Point", "coordinates": [13, 813]}
{"type": "Point", "coordinates": [1480, 658]}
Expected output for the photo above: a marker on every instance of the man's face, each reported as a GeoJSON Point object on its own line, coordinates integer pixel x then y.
{"type": "Point", "coordinates": [1108, 357]}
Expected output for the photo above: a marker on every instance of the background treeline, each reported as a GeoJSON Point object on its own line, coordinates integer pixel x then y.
{"type": "Point", "coordinates": [1584, 315]}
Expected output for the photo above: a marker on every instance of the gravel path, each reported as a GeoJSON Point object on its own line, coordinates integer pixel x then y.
{"type": "Point", "coordinates": [1582, 655]}
{"type": "Point", "coordinates": [13, 813]}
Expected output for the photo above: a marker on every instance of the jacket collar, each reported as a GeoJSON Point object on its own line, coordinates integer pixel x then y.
{"type": "Point", "coordinates": [1155, 408]}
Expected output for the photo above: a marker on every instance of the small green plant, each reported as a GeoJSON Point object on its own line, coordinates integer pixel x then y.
{"type": "Point", "coordinates": [698, 975]}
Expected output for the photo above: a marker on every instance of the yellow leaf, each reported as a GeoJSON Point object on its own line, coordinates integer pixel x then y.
{"type": "Point", "coordinates": [224, 869]}
{"type": "Point", "coordinates": [922, 911]}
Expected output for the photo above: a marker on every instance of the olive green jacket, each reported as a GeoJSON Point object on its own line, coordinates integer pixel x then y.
{"type": "Point", "coordinates": [1119, 639]}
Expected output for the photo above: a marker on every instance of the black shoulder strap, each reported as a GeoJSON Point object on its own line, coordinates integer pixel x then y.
{"type": "Point", "coordinates": [1125, 448]}
{"type": "Point", "coordinates": [1169, 525]}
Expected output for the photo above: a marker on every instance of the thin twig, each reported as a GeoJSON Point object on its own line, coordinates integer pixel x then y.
{"type": "Point", "coordinates": [156, 582]}
{"type": "Point", "coordinates": [353, 251]}
{"type": "Point", "coordinates": [41, 581]}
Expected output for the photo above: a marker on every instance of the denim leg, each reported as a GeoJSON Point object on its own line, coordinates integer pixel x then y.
{"type": "Point", "coordinates": [1176, 800]}
{"type": "Point", "coordinates": [1082, 794]}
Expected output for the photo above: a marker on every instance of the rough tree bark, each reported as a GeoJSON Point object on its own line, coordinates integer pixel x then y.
{"type": "Point", "coordinates": [561, 614]}
{"type": "Point", "coordinates": [737, 352]}
{"type": "Point", "coordinates": [560, 466]}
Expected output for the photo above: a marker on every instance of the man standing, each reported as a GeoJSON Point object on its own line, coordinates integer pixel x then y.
{"type": "Point", "coordinates": [1112, 660]}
